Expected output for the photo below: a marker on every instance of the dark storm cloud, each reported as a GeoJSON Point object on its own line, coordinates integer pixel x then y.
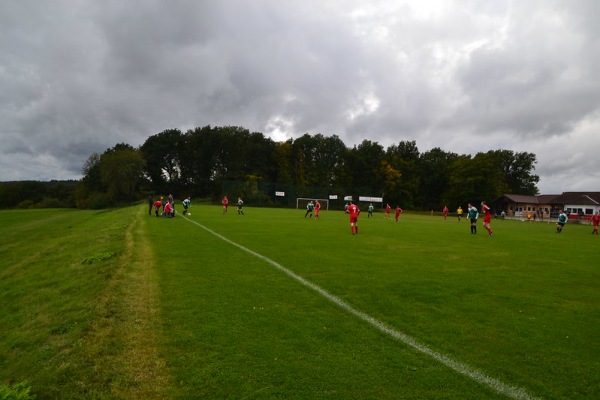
{"type": "Point", "coordinates": [80, 77]}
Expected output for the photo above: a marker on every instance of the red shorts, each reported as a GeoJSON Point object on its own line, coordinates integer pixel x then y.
{"type": "Point", "coordinates": [487, 218]}
{"type": "Point", "coordinates": [353, 219]}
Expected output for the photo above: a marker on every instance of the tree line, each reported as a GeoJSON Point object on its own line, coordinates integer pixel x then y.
{"type": "Point", "coordinates": [36, 194]}
{"type": "Point", "coordinates": [209, 162]}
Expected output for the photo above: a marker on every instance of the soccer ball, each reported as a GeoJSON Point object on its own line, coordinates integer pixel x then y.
{"type": "Point", "coordinates": [190, 214]}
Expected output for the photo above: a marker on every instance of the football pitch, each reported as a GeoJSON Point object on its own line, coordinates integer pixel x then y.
{"type": "Point", "coordinates": [272, 305]}
{"type": "Point", "coordinates": [420, 307]}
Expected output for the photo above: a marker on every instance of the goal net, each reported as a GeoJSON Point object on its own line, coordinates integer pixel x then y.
{"type": "Point", "coordinates": [301, 202]}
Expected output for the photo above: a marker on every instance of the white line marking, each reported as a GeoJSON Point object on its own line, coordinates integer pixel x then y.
{"type": "Point", "coordinates": [474, 374]}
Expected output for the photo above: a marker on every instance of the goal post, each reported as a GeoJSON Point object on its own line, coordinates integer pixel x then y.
{"type": "Point", "coordinates": [303, 201]}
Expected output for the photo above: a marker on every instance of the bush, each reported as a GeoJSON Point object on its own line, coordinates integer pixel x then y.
{"type": "Point", "coordinates": [100, 201]}
{"type": "Point", "coordinates": [50, 202]}
{"type": "Point", "coordinates": [18, 391]}
{"type": "Point", "coordinates": [25, 204]}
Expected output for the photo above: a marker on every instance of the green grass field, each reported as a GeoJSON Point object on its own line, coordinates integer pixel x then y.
{"type": "Point", "coordinates": [270, 305]}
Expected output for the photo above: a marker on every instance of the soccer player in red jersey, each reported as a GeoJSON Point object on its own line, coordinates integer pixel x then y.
{"type": "Point", "coordinates": [168, 210]}
{"type": "Point", "coordinates": [225, 203]}
{"type": "Point", "coordinates": [387, 211]}
{"type": "Point", "coordinates": [595, 222]}
{"type": "Point", "coordinates": [354, 211]}
{"type": "Point", "coordinates": [157, 206]}
{"type": "Point", "coordinates": [445, 211]}
{"type": "Point", "coordinates": [398, 212]}
{"type": "Point", "coordinates": [317, 208]}
{"type": "Point", "coordinates": [487, 217]}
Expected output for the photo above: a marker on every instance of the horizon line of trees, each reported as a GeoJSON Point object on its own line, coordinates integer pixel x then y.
{"type": "Point", "coordinates": [202, 163]}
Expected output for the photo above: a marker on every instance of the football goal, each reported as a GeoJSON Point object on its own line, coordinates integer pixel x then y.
{"type": "Point", "coordinates": [301, 202]}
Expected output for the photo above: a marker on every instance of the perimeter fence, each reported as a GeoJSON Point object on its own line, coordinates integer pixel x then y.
{"type": "Point", "coordinates": [268, 194]}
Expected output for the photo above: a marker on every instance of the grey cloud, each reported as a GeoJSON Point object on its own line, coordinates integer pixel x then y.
{"type": "Point", "coordinates": [77, 78]}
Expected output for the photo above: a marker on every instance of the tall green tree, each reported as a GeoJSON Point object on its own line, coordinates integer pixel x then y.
{"type": "Point", "coordinates": [91, 184]}
{"type": "Point", "coordinates": [517, 171]}
{"type": "Point", "coordinates": [282, 158]}
{"type": "Point", "coordinates": [521, 178]}
{"type": "Point", "coordinates": [198, 150]}
{"type": "Point", "coordinates": [404, 157]}
{"type": "Point", "coordinates": [474, 179]}
{"type": "Point", "coordinates": [329, 156]}
{"type": "Point", "coordinates": [391, 180]}
{"type": "Point", "coordinates": [434, 168]}
{"type": "Point", "coordinates": [256, 144]}
{"type": "Point", "coordinates": [460, 189]}
{"type": "Point", "coordinates": [121, 170]}
{"type": "Point", "coordinates": [303, 161]}
{"type": "Point", "coordinates": [111, 178]}
{"type": "Point", "coordinates": [91, 173]}
{"type": "Point", "coordinates": [239, 153]}
{"type": "Point", "coordinates": [162, 159]}
{"type": "Point", "coordinates": [363, 166]}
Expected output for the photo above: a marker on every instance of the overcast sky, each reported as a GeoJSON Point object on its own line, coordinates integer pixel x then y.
{"type": "Point", "coordinates": [79, 76]}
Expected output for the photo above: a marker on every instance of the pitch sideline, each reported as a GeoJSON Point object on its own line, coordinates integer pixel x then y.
{"type": "Point", "coordinates": [474, 374]}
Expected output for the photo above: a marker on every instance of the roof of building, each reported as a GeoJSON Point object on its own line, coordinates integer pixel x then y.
{"type": "Point", "coordinates": [579, 198]}
{"type": "Point", "coordinates": [547, 198]}
{"type": "Point", "coordinates": [542, 199]}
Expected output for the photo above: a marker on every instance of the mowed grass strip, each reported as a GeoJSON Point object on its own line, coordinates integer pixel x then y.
{"type": "Point", "coordinates": [79, 305]}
